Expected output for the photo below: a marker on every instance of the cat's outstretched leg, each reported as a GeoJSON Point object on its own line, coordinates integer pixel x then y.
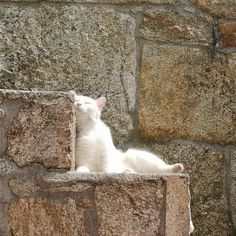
{"type": "Point", "coordinates": [82, 169]}
{"type": "Point", "coordinates": [146, 162]}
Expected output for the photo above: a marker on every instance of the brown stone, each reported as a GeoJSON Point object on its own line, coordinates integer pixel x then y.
{"type": "Point", "coordinates": [22, 188]}
{"type": "Point", "coordinates": [205, 166]}
{"type": "Point", "coordinates": [220, 8]}
{"type": "Point", "coordinates": [176, 27]}
{"type": "Point", "coordinates": [39, 127]}
{"type": "Point", "coordinates": [130, 208]}
{"type": "Point", "coordinates": [99, 204]}
{"type": "Point", "coordinates": [37, 216]}
{"type": "Point", "coordinates": [186, 93]}
{"type": "Point", "coordinates": [227, 31]}
{"type": "Point", "coordinates": [176, 200]}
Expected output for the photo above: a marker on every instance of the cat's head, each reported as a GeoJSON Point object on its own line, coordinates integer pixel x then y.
{"type": "Point", "coordinates": [88, 109]}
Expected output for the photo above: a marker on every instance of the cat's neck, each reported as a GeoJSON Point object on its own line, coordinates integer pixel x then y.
{"type": "Point", "coordinates": [88, 126]}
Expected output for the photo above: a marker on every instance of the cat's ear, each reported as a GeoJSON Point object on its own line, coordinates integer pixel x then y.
{"type": "Point", "coordinates": [101, 102]}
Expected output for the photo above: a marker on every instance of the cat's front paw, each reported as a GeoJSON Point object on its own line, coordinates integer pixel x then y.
{"type": "Point", "coordinates": [82, 169]}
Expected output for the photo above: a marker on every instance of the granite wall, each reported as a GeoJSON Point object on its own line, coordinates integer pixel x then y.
{"type": "Point", "coordinates": [166, 67]}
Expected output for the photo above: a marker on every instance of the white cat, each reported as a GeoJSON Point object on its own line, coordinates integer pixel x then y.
{"type": "Point", "coordinates": [95, 151]}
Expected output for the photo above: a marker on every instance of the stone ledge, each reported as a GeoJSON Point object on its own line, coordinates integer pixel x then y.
{"type": "Point", "coordinates": [100, 204]}
{"type": "Point", "coordinates": [38, 127]}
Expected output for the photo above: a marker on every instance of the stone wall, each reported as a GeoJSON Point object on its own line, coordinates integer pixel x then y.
{"type": "Point", "coordinates": [167, 68]}
{"type": "Point", "coordinates": [40, 196]}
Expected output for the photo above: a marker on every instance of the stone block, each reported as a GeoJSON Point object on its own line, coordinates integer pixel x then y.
{"type": "Point", "coordinates": [176, 27]}
{"type": "Point", "coordinates": [39, 127]}
{"type": "Point", "coordinates": [220, 8]}
{"type": "Point", "coordinates": [89, 49]}
{"type": "Point", "coordinates": [125, 2]}
{"type": "Point", "coordinates": [232, 193]}
{"type": "Point", "coordinates": [98, 204]}
{"type": "Point", "coordinates": [227, 33]}
{"type": "Point", "coordinates": [191, 94]}
{"type": "Point", "coordinates": [205, 166]}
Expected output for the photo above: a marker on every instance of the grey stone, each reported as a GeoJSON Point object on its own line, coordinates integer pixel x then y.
{"type": "Point", "coordinates": [2, 113]}
{"type": "Point", "coordinates": [105, 1]}
{"type": "Point", "coordinates": [63, 47]}
{"type": "Point", "coordinates": [233, 164]}
{"type": "Point", "coordinates": [6, 167]}
{"type": "Point", "coordinates": [233, 187]}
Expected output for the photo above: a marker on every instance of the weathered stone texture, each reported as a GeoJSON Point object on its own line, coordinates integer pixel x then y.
{"type": "Point", "coordinates": [40, 128]}
{"type": "Point", "coordinates": [64, 47]}
{"type": "Point", "coordinates": [125, 2]}
{"type": "Point", "coordinates": [227, 31]}
{"type": "Point", "coordinates": [176, 200]}
{"type": "Point", "coordinates": [220, 8]}
{"type": "Point", "coordinates": [205, 167]}
{"type": "Point", "coordinates": [98, 204]}
{"type": "Point", "coordinates": [186, 93]}
{"type": "Point", "coordinates": [123, 210]}
{"type": "Point", "coordinates": [22, 188]}
{"type": "Point", "coordinates": [40, 216]}
{"type": "Point", "coordinates": [176, 27]}
{"type": "Point", "coordinates": [233, 187]}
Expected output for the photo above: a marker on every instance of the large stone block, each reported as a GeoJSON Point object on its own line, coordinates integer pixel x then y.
{"type": "Point", "coordinates": [187, 93]}
{"type": "Point", "coordinates": [205, 166]}
{"type": "Point", "coordinates": [176, 27]}
{"type": "Point", "coordinates": [220, 8]}
{"type": "Point", "coordinates": [125, 2]}
{"type": "Point", "coordinates": [232, 189]}
{"type": "Point", "coordinates": [38, 127]}
{"type": "Point", "coordinates": [98, 204]}
{"type": "Point", "coordinates": [72, 47]}
{"type": "Point", "coordinates": [227, 33]}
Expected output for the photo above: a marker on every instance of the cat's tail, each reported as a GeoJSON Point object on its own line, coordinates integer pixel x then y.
{"type": "Point", "coordinates": [146, 162]}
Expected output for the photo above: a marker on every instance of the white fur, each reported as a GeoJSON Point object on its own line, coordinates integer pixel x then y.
{"type": "Point", "coordinates": [96, 152]}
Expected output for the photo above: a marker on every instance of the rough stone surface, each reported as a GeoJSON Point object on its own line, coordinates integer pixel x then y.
{"type": "Point", "coordinates": [130, 209]}
{"type": "Point", "coordinates": [233, 187]}
{"type": "Point", "coordinates": [232, 201]}
{"type": "Point", "coordinates": [46, 217]}
{"type": "Point", "coordinates": [64, 47]}
{"type": "Point", "coordinates": [6, 167]}
{"type": "Point", "coordinates": [38, 128]}
{"type": "Point", "coordinates": [125, 2]}
{"type": "Point", "coordinates": [176, 27]}
{"type": "Point", "coordinates": [176, 200]}
{"type": "Point", "coordinates": [227, 31]}
{"type": "Point", "coordinates": [190, 94]}
{"type": "Point", "coordinates": [99, 204]}
{"type": "Point", "coordinates": [22, 188]}
{"type": "Point", "coordinates": [205, 166]}
{"type": "Point", "coordinates": [225, 8]}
